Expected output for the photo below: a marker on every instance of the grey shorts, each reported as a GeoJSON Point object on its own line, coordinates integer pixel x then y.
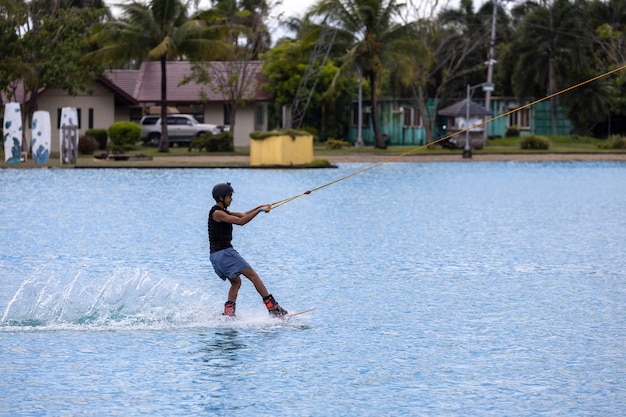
{"type": "Point", "coordinates": [227, 263]}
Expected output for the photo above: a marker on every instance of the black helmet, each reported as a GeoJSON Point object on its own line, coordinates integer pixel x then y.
{"type": "Point", "coordinates": [222, 190]}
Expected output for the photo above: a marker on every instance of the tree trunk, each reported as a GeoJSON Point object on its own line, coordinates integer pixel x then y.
{"type": "Point", "coordinates": [380, 142]}
{"type": "Point", "coordinates": [551, 74]}
{"type": "Point", "coordinates": [552, 90]}
{"type": "Point", "coordinates": [164, 143]}
{"type": "Point", "coordinates": [233, 118]}
{"type": "Point", "coordinates": [427, 120]}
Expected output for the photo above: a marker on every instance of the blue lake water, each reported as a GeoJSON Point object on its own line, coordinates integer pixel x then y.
{"type": "Point", "coordinates": [442, 289]}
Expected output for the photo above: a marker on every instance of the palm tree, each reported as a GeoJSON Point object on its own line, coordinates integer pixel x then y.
{"type": "Point", "coordinates": [245, 20]}
{"type": "Point", "coordinates": [370, 33]}
{"type": "Point", "coordinates": [159, 30]}
{"type": "Point", "coordinates": [554, 50]}
{"type": "Point", "coordinates": [241, 26]}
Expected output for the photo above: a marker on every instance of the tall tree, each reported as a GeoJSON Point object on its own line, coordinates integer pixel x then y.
{"type": "Point", "coordinates": [608, 20]}
{"type": "Point", "coordinates": [554, 51]}
{"type": "Point", "coordinates": [28, 30]}
{"type": "Point", "coordinates": [12, 67]}
{"type": "Point", "coordinates": [457, 40]}
{"type": "Point", "coordinates": [284, 67]}
{"type": "Point", "coordinates": [241, 26]}
{"type": "Point", "coordinates": [159, 30]}
{"type": "Point", "coordinates": [375, 39]}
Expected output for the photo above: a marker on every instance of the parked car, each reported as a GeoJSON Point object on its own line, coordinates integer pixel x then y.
{"type": "Point", "coordinates": [181, 128]}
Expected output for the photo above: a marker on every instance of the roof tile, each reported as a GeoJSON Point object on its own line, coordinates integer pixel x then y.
{"type": "Point", "coordinates": [144, 84]}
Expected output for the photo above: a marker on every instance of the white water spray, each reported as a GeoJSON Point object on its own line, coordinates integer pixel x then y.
{"type": "Point", "coordinates": [124, 299]}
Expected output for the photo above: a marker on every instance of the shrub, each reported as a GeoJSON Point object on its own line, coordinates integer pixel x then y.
{"type": "Point", "coordinates": [336, 144]}
{"type": "Point", "coordinates": [320, 163]}
{"type": "Point", "coordinates": [213, 143]}
{"type": "Point", "coordinates": [99, 135]}
{"type": "Point", "coordinates": [87, 145]}
{"type": "Point", "coordinates": [124, 134]}
{"type": "Point", "coordinates": [616, 142]}
{"type": "Point", "coordinates": [512, 131]}
{"type": "Point", "coordinates": [535, 142]}
{"type": "Point", "coordinates": [291, 132]}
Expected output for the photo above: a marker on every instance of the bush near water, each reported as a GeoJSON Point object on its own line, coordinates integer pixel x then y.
{"type": "Point", "coordinates": [87, 145]}
{"type": "Point", "coordinates": [213, 143]}
{"type": "Point", "coordinates": [535, 142]}
{"type": "Point", "coordinates": [99, 135]}
{"type": "Point", "coordinates": [336, 144]}
{"type": "Point", "coordinates": [124, 135]}
{"type": "Point", "coordinates": [614, 142]}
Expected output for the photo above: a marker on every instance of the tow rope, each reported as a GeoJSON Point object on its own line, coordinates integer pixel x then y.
{"type": "Point", "coordinates": [484, 122]}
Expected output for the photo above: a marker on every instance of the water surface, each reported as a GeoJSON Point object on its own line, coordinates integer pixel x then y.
{"type": "Point", "coordinates": [458, 289]}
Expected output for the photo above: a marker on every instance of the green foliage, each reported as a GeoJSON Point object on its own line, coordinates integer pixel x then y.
{"type": "Point", "coordinates": [124, 134]}
{"type": "Point", "coordinates": [284, 66]}
{"type": "Point", "coordinates": [291, 132]}
{"type": "Point", "coordinates": [614, 142]}
{"type": "Point", "coordinates": [158, 30]}
{"type": "Point", "coordinates": [320, 163]}
{"type": "Point", "coordinates": [87, 145]}
{"type": "Point", "coordinates": [61, 66]}
{"type": "Point", "coordinates": [213, 143]}
{"type": "Point", "coordinates": [504, 141]}
{"type": "Point", "coordinates": [100, 135]}
{"type": "Point", "coordinates": [512, 131]}
{"type": "Point", "coordinates": [535, 142]}
{"type": "Point", "coordinates": [30, 57]}
{"type": "Point", "coordinates": [336, 144]}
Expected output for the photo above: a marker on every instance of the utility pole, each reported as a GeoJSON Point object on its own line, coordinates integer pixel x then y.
{"type": "Point", "coordinates": [489, 85]}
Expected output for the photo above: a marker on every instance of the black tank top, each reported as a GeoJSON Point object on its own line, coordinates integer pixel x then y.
{"type": "Point", "coordinates": [220, 234]}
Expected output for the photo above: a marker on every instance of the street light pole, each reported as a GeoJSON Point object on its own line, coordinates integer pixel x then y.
{"type": "Point", "coordinates": [467, 150]}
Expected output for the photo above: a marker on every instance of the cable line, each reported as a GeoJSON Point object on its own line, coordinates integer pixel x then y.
{"type": "Point", "coordinates": [484, 122]}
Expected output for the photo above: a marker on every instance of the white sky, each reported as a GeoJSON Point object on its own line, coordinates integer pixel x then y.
{"type": "Point", "coordinates": [297, 8]}
{"type": "Point", "coordinates": [288, 8]}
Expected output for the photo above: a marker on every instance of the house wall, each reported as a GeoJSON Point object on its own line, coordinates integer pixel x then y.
{"type": "Point", "coordinates": [101, 103]}
{"type": "Point", "coordinates": [392, 122]}
{"type": "Point", "coordinates": [105, 113]}
{"type": "Point", "coordinates": [251, 117]}
{"type": "Point", "coordinates": [540, 119]}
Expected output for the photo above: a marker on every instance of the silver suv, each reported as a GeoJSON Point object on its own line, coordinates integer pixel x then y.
{"type": "Point", "coordinates": [181, 128]}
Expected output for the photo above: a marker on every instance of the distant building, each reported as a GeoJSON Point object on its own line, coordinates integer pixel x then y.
{"type": "Point", "coordinates": [401, 121]}
{"type": "Point", "coordinates": [126, 95]}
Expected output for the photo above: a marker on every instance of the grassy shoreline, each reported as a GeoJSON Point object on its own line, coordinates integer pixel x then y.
{"type": "Point", "coordinates": [569, 148]}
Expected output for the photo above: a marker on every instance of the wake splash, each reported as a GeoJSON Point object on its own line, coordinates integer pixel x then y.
{"type": "Point", "coordinates": [125, 300]}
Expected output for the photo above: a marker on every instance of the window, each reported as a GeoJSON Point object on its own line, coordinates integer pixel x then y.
{"type": "Point", "coordinates": [259, 118]}
{"type": "Point", "coordinates": [355, 115]}
{"type": "Point", "coordinates": [520, 118]}
{"type": "Point", "coordinates": [227, 111]}
{"type": "Point", "coordinates": [149, 120]}
{"type": "Point", "coordinates": [78, 115]}
{"type": "Point", "coordinates": [136, 114]}
{"type": "Point", "coordinates": [411, 117]}
{"type": "Point", "coordinates": [407, 113]}
{"type": "Point", "coordinates": [90, 122]}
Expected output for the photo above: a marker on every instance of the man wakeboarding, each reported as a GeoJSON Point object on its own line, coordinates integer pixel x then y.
{"type": "Point", "coordinates": [226, 261]}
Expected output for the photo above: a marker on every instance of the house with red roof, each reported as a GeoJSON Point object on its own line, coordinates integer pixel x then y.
{"type": "Point", "coordinates": [127, 95]}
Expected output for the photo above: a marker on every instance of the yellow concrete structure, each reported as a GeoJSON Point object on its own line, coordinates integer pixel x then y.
{"type": "Point", "coordinates": [282, 149]}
